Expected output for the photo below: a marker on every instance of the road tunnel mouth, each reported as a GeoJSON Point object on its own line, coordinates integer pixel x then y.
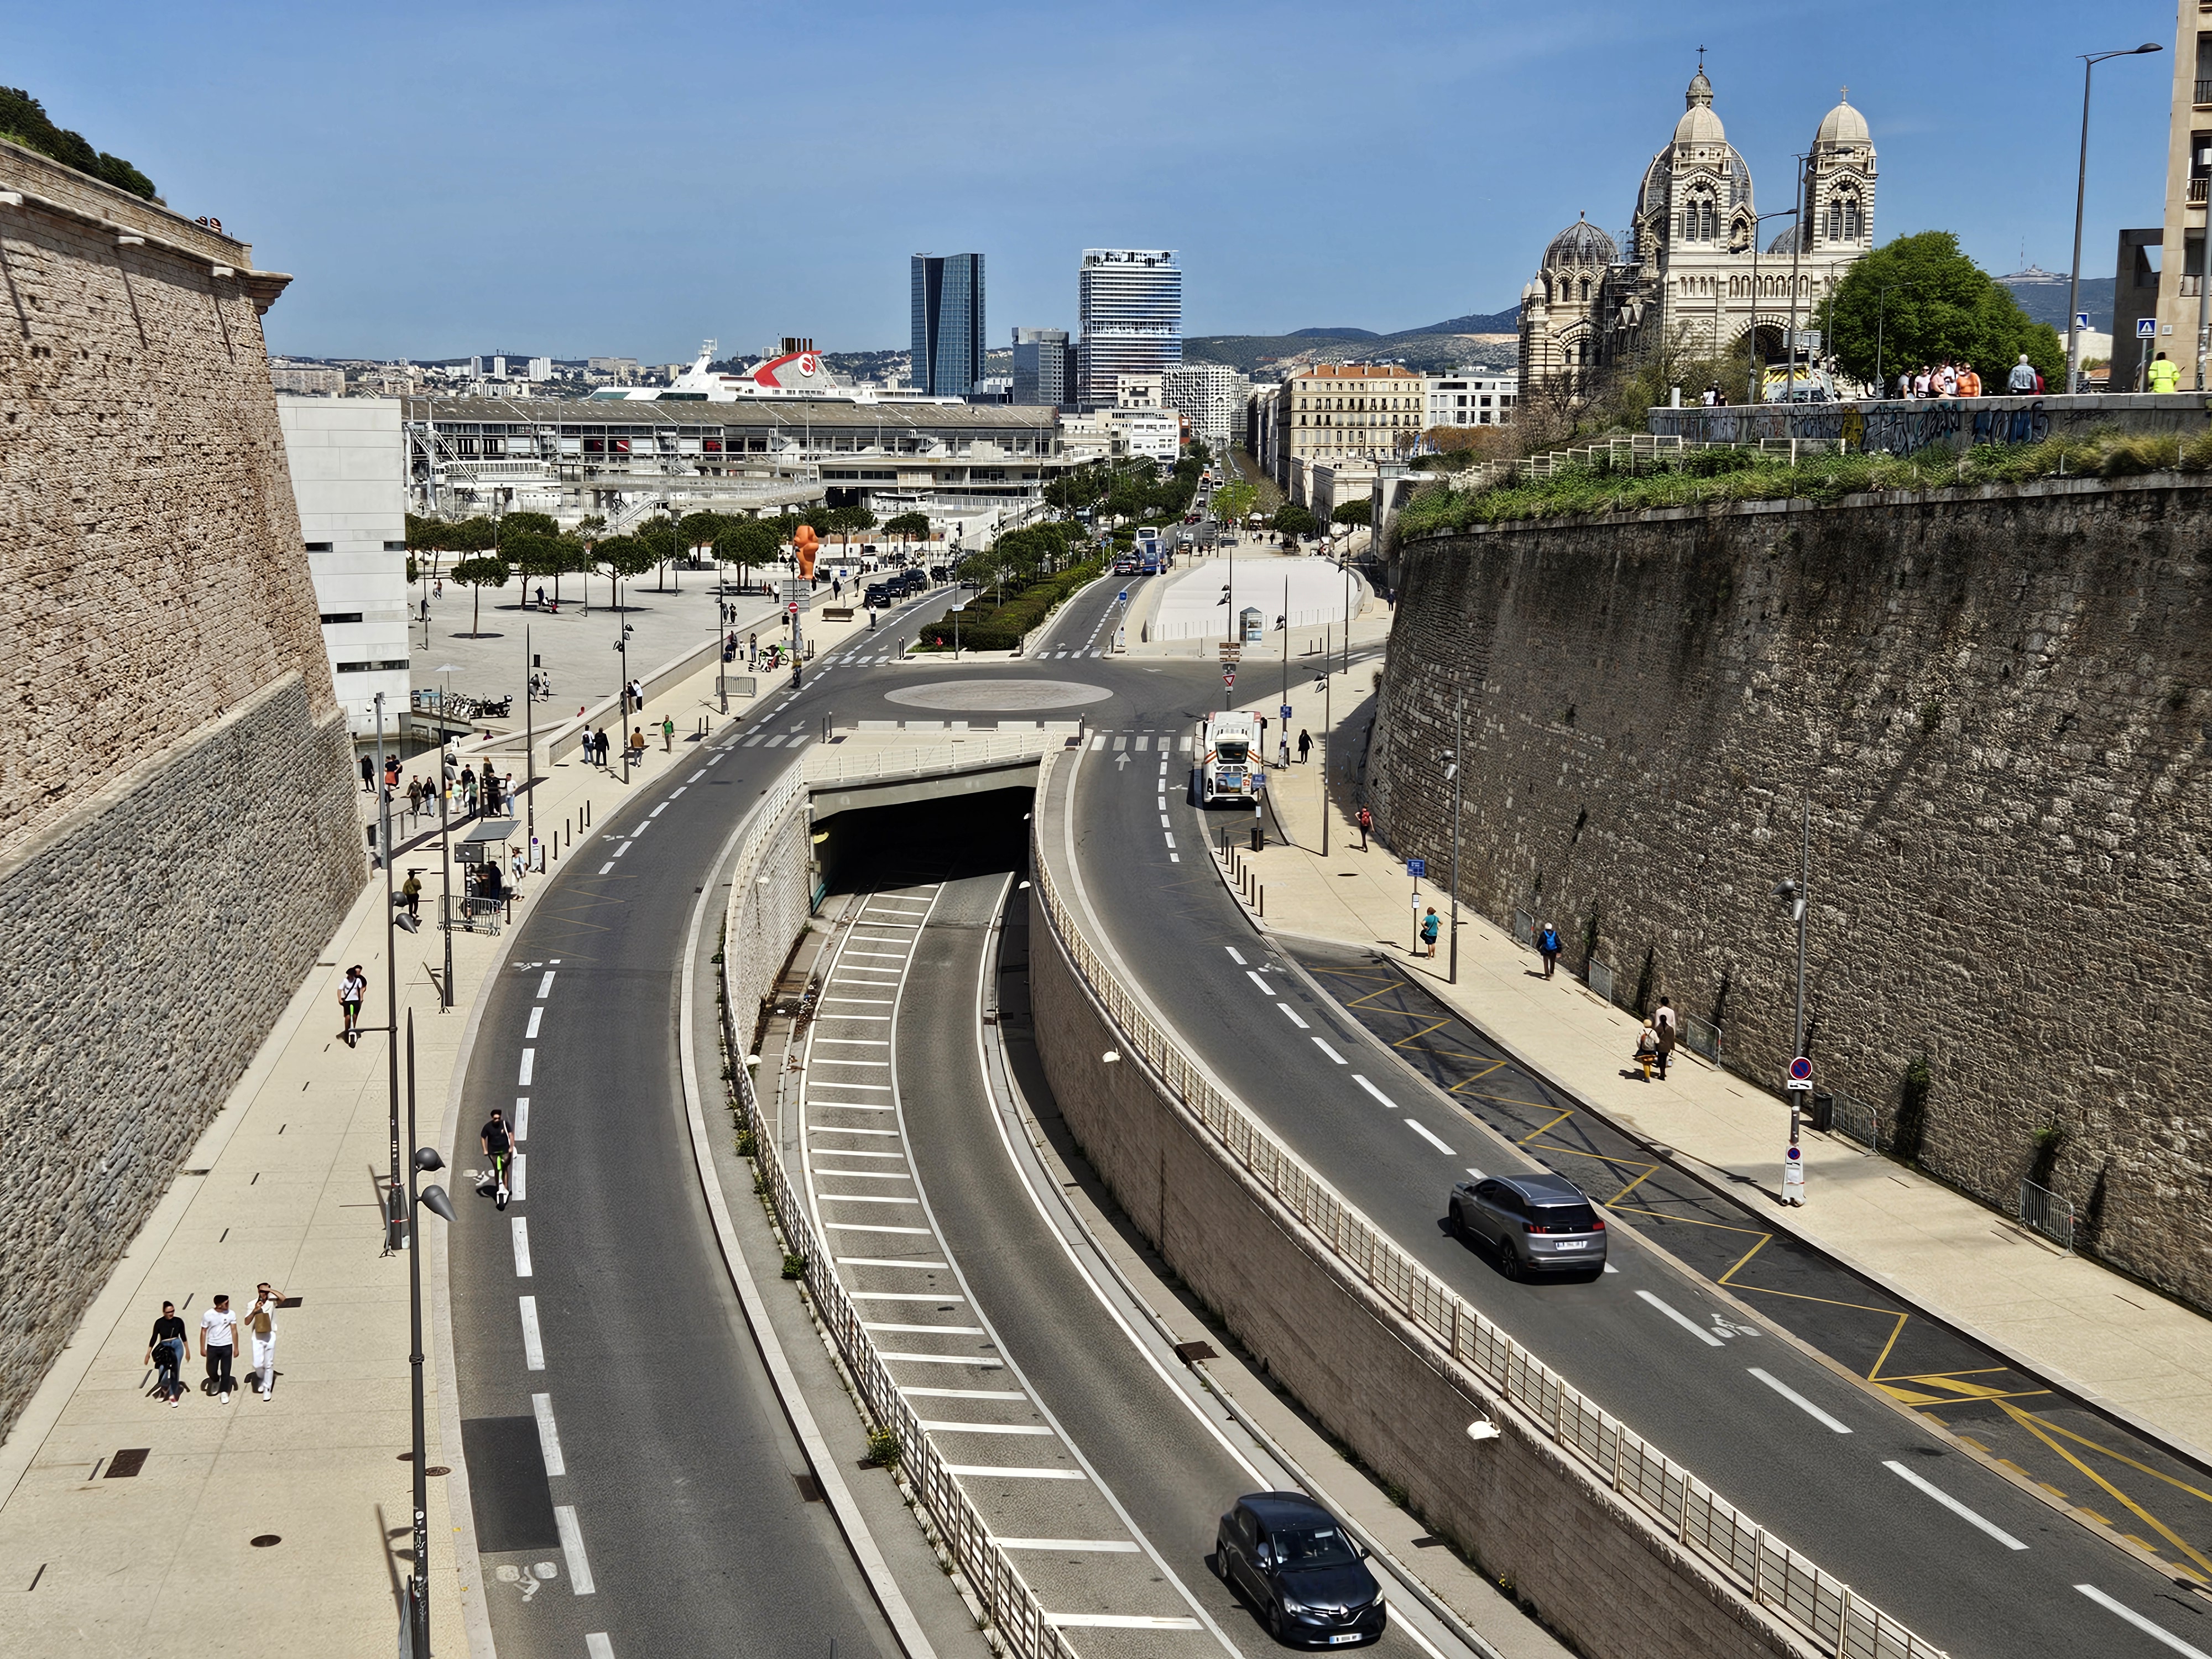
{"type": "Point", "coordinates": [927, 840]}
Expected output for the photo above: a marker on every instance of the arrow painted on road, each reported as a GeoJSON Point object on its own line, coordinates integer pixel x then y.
{"type": "Point", "coordinates": [1121, 761]}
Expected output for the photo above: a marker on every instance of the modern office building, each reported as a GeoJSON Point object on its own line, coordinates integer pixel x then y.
{"type": "Point", "coordinates": [948, 324]}
{"type": "Point", "coordinates": [349, 464]}
{"type": "Point", "coordinates": [1210, 396]}
{"type": "Point", "coordinates": [1472, 396]}
{"type": "Point", "coordinates": [2159, 279]}
{"type": "Point", "coordinates": [1129, 306]}
{"type": "Point", "coordinates": [1045, 367]}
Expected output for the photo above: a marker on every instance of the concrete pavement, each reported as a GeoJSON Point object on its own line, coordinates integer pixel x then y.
{"type": "Point", "coordinates": [2106, 1338]}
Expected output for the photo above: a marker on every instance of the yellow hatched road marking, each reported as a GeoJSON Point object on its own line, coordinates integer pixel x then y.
{"type": "Point", "coordinates": [2035, 1425]}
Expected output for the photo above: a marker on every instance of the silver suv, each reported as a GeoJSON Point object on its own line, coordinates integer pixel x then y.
{"type": "Point", "coordinates": [1536, 1224]}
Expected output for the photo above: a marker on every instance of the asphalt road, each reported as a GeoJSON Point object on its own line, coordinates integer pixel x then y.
{"type": "Point", "coordinates": [1877, 1506]}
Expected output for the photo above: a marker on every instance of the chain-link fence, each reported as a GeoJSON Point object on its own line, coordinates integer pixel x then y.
{"type": "Point", "coordinates": [1762, 1567]}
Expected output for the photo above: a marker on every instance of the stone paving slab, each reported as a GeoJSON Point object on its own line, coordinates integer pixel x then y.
{"type": "Point", "coordinates": [2118, 1344]}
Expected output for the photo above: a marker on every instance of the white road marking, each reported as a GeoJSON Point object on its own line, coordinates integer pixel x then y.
{"type": "Point", "coordinates": [832, 1129]}
{"type": "Point", "coordinates": [620, 850]}
{"type": "Point", "coordinates": [863, 1042]}
{"type": "Point", "coordinates": [533, 1345]}
{"type": "Point", "coordinates": [596, 1646]}
{"type": "Point", "coordinates": [1266, 989]}
{"type": "Point", "coordinates": [2155, 1632]}
{"type": "Point", "coordinates": [863, 1227]}
{"type": "Point", "coordinates": [1953, 1505]}
{"type": "Point", "coordinates": [658, 811]}
{"type": "Point", "coordinates": [1174, 858]}
{"type": "Point", "coordinates": [548, 1434]}
{"type": "Point", "coordinates": [846, 1151]}
{"type": "Point", "coordinates": [946, 1359]}
{"type": "Point", "coordinates": [608, 865]}
{"type": "Point", "coordinates": [528, 1062]}
{"type": "Point", "coordinates": [522, 1117]}
{"type": "Point", "coordinates": [890, 1262]}
{"type": "Point", "coordinates": [963, 1394]}
{"type": "Point", "coordinates": [1030, 1475]}
{"type": "Point", "coordinates": [1800, 1401]}
{"type": "Point", "coordinates": [858, 1175]}
{"type": "Point", "coordinates": [521, 1247]}
{"type": "Point", "coordinates": [926, 1330]}
{"type": "Point", "coordinates": [871, 1002]}
{"type": "Point", "coordinates": [545, 985]}
{"type": "Point", "coordinates": [696, 775]}
{"type": "Point", "coordinates": [903, 1296]}
{"type": "Point", "coordinates": [1610, 1268]}
{"type": "Point", "coordinates": [680, 789]}
{"type": "Point", "coordinates": [1161, 804]}
{"type": "Point", "coordinates": [1330, 1052]}
{"type": "Point", "coordinates": [986, 1428]}
{"type": "Point", "coordinates": [1414, 1124]}
{"type": "Point", "coordinates": [536, 1014]}
{"type": "Point", "coordinates": [572, 1546]}
{"type": "Point", "coordinates": [1097, 743]}
{"type": "Point", "coordinates": [1118, 1622]}
{"type": "Point", "coordinates": [1686, 1322]}
{"type": "Point", "coordinates": [1114, 1545]}
{"type": "Point", "coordinates": [1164, 820]}
{"type": "Point", "coordinates": [1291, 1014]}
{"type": "Point", "coordinates": [716, 760]}
{"type": "Point", "coordinates": [1377, 1092]}
{"type": "Point", "coordinates": [866, 1198]}
{"type": "Point", "coordinates": [517, 1169]}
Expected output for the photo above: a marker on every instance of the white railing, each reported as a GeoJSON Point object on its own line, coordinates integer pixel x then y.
{"type": "Point", "coordinates": [1772, 1574]}
{"type": "Point", "coordinates": [829, 764]}
{"type": "Point", "coordinates": [1024, 1628]}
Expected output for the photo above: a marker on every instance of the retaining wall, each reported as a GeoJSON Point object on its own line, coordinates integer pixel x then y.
{"type": "Point", "coordinates": [1899, 426]}
{"type": "Point", "coordinates": [1995, 701]}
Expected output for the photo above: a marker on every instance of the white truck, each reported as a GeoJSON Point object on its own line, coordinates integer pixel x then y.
{"type": "Point", "coordinates": [1230, 765]}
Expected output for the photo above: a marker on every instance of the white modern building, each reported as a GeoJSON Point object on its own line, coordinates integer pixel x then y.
{"type": "Point", "coordinates": [1129, 306]}
{"type": "Point", "coordinates": [348, 466]}
{"type": "Point", "coordinates": [1209, 396]}
{"type": "Point", "coordinates": [1472, 396]}
{"type": "Point", "coordinates": [1137, 391]}
{"type": "Point", "coordinates": [1157, 433]}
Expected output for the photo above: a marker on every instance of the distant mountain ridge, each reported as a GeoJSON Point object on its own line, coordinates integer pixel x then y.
{"type": "Point", "coordinates": [1429, 348]}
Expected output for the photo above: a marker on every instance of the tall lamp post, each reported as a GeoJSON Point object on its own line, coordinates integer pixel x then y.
{"type": "Point", "coordinates": [1452, 776]}
{"type": "Point", "coordinates": [622, 646]}
{"type": "Point", "coordinates": [415, 1613]}
{"type": "Point", "coordinates": [529, 747]}
{"type": "Point", "coordinates": [2089, 62]}
{"type": "Point", "coordinates": [395, 1225]}
{"type": "Point", "coordinates": [1798, 893]}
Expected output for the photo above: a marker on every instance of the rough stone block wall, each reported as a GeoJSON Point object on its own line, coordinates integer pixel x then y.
{"type": "Point", "coordinates": [178, 834]}
{"type": "Point", "coordinates": [1620, 1590]}
{"type": "Point", "coordinates": [1995, 701]}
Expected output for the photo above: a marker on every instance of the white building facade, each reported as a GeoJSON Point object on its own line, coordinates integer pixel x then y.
{"type": "Point", "coordinates": [1208, 395]}
{"type": "Point", "coordinates": [348, 466]}
{"type": "Point", "coordinates": [1129, 308]}
{"type": "Point", "coordinates": [1472, 396]}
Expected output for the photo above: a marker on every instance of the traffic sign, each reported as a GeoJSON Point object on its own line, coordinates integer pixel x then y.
{"type": "Point", "coordinates": [792, 608]}
{"type": "Point", "coordinates": [1232, 652]}
{"type": "Point", "coordinates": [1417, 868]}
{"type": "Point", "coordinates": [2081, 319]}
{"type": "Point", "coordinates": [1287, 711]}
{"type": "Point", "coordinates": [2145, 328]}
{"type": "Point", "coordinates": [1125, 596]}
{"type": "Point", "coordinates": [1801, 1073]}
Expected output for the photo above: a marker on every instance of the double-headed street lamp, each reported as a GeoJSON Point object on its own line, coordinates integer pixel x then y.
{"type": "Point", "coordinates": [2089, 62]}
{"type": "Point", "coordinates": [414, 1610]}
{"type": "Point", "coordinates": [1798, 894]}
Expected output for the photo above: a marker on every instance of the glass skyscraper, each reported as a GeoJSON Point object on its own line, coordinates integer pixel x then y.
{"type": "Point", "coordinates": [1129, 305]}
{"type": "Point", "coordinates": [1045, 367]}
{"type": "Point", "coordinates": [948, 324]}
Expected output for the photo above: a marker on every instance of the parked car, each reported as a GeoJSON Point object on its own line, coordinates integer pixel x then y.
{"type": "Point", "coordinates": [877, 596]}
{"type": "Point", "coordinates": [938, 572]}
{"type": "Point", "coordinates": [1307, 1580]}
{"type": "Point", "coordinates": [1535, 1222]}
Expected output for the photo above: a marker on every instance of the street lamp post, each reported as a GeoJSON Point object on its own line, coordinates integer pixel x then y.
{"type": "Point", "coordinates": [529, 748]}
{"type": "Point", "coordinates": [1880, 305]}
{"type": "Point", "coordinates": [2089, 62]}
{"type": "Point", "coordinates": [394, 1231]}
{"type": "Point", "coordinates": [1458, 784]}
{"type": "Point", "coordinates": [446, 883]}
{"type": "Point", "coordinates": [622, 646]}
{"type": "Point", "coordinates": [415, 1615]}
{"type": "Point", "coordinates": [1799, 893]}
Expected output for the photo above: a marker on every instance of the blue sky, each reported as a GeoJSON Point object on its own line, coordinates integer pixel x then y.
{"type": "Point", "coordinates": [628, 179]}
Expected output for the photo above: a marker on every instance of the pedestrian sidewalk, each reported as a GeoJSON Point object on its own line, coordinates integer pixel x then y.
{"type": "Point", "coordinates": [128, 1527]}
{"type": "Point", "coordinates": [2084, 1326]}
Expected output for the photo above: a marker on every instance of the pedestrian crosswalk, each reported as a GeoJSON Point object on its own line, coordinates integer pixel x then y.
{"type": "Point", "coordinates": [1149, 739]}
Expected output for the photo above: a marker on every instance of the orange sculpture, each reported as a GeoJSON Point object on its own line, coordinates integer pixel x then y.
{"type": "Point", "coordinates": [807, 545]}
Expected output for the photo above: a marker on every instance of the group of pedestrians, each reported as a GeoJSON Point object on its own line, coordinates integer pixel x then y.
{"type": "Point", "coordinates": [1946, 379]}
{"type": "Point", "coordinates": [598, 746]}
{"type": "Point", "coordinates": [221, 1333]}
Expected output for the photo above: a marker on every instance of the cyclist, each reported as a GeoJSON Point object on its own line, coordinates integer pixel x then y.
{"type": "Point", "coordinates": [499, 1146]}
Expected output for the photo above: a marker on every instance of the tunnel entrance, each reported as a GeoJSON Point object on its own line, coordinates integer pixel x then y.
{"type": "Point", "coordinates": [923, 840]}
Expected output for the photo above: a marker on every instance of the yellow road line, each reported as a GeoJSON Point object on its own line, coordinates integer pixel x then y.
{"type": "Point", "coordinates": [2144, 1469]}
{"type": "Point", "coordinates": [1418, 1034]}
{"type": "Point", "coordinates": [1477, 1078]}
{"type": "Point", "coordinates": [1745, 1257]}
{"type": "Point", "coordinates": [1554, 1123]}
{"type": "Point", "coordinates": [2034, 1425]}
{"type": "Point", "coordinates": [1634, 1184]}
{"type": "Point", "coordinates": [1692, 1221]}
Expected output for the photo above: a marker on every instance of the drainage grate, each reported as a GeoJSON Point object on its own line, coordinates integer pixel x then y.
{"type": "Point", "coordinates": [128, 1462]}
{"type": "Point", "coordinates": [809, 1488]}
{"type": "Point", "coordinates": [1191, 1353]}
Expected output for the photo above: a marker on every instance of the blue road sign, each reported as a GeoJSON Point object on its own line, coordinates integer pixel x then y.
{"type": "Point", "coordinates": [2081, 319]}
{"type": "Point", "coordinates": [2145, 328]}
{"type": "Point", "coordinates": [1417, 868]}
{"type": "Point", "coordinates": [1287, 711]}
{"type": "Point", "coordinates": [1125, 596]}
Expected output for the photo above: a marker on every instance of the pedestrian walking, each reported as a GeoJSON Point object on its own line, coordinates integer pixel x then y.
{"type": "Point", "coordinates": [351, 989]}
{"type": "Point", "coordinates": [1663, 1031]}
{"type": "Point", "coordinates": [410, 891]}
{"type": "Point", "coordinates": [1305, 744]}
{"type": "Point", "coordinates": [1429, 926]}
{"type": "Point", "coordinates": [261, 1326]}
{"type": "Point", "coordinates": [1366, 823]}
{"type": "Point", "coordinates": [1283, 751]}
{"type": "Point", "coordinates": [1548, 946]}
{"type": "Point", "coordinates": [637, 697]}
{"type": "Point", "coordinates": [752, 649]}
{"type": "Point", "coordinates": [2021, 380]}
{"type": "Point", "coordinates": [668, 733]}
{"type": "Point", "coordinates": [218, 1343]}
{"type": "Point", "coordinates": [637, 745]}
{"type": "Point", "coordinates": [2163, 373]}
{"type": "Point", "coordinates": [368, 763]}
{"type": "Point", "coordinates": [599, 744]}
{"type": "Point", "coordinates": [165, 1349]}
{"type": "Point", "coordinates": [1647, 1049]}
{"type": "Point", "coordinates": [392, 772]}
{"type": "Point", "coordinates": [414, 797]}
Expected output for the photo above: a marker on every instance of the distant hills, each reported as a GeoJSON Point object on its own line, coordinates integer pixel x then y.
{"type": "Point", "coordinates": [1430, 348]}
{"type": "Point", "coordinates": [2043, 297]}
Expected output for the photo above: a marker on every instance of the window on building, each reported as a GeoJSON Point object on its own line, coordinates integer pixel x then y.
{"type": "Point", "coordinates": [1852, 227]}
{"type": "Point", "coordinates": [1585, 289]}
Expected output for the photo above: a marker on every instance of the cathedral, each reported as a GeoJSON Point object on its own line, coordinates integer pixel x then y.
{"type": "Point", "coordinates": [1694, 272]}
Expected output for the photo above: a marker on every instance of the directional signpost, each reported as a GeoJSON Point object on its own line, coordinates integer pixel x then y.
{"type": "Point", "coordinates": [1417, 868]}
{"type": "Point", "coordinates": [1799, 1081]}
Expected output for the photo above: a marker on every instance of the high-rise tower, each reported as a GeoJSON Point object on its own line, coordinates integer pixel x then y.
{"type": "Point", "coordinates": [948, 324]}
{"type": "Point", "coordinates": [1129, 305]}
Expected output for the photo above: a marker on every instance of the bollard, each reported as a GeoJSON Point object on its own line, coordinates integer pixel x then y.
{"type": "Point", "coordinates": [1263, 902]}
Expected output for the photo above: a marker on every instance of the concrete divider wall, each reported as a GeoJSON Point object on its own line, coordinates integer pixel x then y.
{"type": "Point", "coordinates": [1397, 1366]}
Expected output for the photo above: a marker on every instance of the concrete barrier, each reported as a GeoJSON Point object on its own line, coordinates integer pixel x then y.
{"type": "Point", "coordinates": [1622, 1550]}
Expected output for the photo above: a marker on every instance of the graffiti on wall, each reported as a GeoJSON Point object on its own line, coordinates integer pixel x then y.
{"type": "Point", "coordinates": [1905, 428]}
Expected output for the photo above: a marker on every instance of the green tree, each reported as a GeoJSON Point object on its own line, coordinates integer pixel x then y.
{"type": "Point", "coordinates": [1233, 501]}
{"type": "Point", "coordinates": [666, 543]}
{"type": "Point", "coordinates": [625, 557]}
{"type": "Point", "coordinates": [487, 570]}
{"type": "Point", "coordinates": [1360, 512]}
{"type": "Point", "coordinates": [1932, 304]}
{"type": "Point", "coordinates": [909, 525]}
{"type": "Point", "coordinates": [750, 543]}
{"type": "Point", "coordinates": [1292, 520]}
{"type": "Point", "coordinates": [517, 525]}
{"type": "Point", "coordinates": [535, 556]}
{"type": "Point", "coordinates": [24, 118]}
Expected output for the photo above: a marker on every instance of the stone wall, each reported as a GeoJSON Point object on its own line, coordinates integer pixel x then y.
{"type": "Point", "coordinates": [178, 833]}
{"type": "Point", "coordinates": [1896, 427]}
{"type": "Point", "coordinates": [1995, 701]}
{"type": "Point", "coordinates": [1624, 1590]}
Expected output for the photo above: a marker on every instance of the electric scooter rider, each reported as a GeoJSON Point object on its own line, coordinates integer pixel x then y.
{"type": "Point", "coordinates": [499, 1146]}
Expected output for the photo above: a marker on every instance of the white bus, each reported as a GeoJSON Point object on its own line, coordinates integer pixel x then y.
{"type": "Point", "coordinates": [1230, 765]}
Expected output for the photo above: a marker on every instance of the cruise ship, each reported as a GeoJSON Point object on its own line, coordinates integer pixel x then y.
{"type": "Point", "coordinates": [795, 369]}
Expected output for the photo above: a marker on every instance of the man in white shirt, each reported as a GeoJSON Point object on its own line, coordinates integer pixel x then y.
{"type": "Point", "coordinates": [218, 1343]}
{"type": "Point", "coordinates": [261, 1324]}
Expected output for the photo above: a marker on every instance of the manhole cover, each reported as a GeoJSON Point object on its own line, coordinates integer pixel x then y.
{"type": "Point", "coordinates": [999, 694]}
{"type": "Point", "coordinates": [264, 1541]}
{"type": "Point", "coordinates": [437, 1468]}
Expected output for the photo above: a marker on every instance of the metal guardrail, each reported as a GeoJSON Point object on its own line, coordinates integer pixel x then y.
{"type": "Point", "coordinates": [1775, 1577]}
{"type": "Point", "coordinates": [1702, 1037]}
{"type": "Point", "coordinates": [1022, 1626]}
{"type": "Point", "coordinates": [1524, 930]}
{"type": "Point", "coordinates": [1855, 1120]}
{"type": "Point", "coordinates": [2045, 1212]}
{"type": "Point", "coordinates": [1599, 975]}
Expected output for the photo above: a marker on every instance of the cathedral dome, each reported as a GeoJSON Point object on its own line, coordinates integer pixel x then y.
{"type": "Point", "coordinates": [1842, 125]}
{"type": "Point", "coordinates": [1581, 243]}
{"type": "Point", "coordinates": [1698, 124]}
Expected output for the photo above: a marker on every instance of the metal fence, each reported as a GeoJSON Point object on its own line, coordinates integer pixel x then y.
{"type": "Point", "coordinates": [2043, 1210]}
{"type": "Point", "coordinates": [1701, 1037]}
{"type": "Point", "coordinates": [825, 764]}
{"type": "Point", "coordinates": [1855, 1120]}
{"type": "Point", "coordinates": [1524, 930]}
{"type": "Point", "coordinates": [1764, 1568]}
{"type": "Point", "coordinates": [1600, 975]}
{"type": "Point", "coordinates": [1024, 1628]}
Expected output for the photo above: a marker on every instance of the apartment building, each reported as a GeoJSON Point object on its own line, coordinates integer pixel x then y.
{"type": "Point", "coordinates": [1335, 413]}
{"type": "Point", "coordinates": [1471, 397]}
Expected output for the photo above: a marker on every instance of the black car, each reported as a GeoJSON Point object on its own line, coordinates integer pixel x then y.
{"type": "Point", "coordinates": [1308, 1580]}
{"type": "Point", "coordinates": [877, 596]}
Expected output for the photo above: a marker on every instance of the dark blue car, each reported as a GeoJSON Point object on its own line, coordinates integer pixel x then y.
{"type": "Point", "coordinates": [1305, 1577]}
